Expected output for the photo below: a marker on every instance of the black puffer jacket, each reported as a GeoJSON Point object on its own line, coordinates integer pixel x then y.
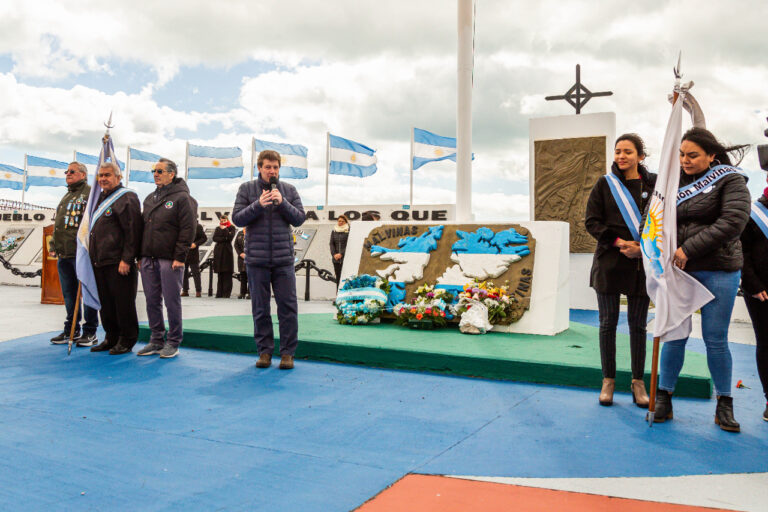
{"type": "Point", "coordinates": [710, 223]}
{"type": "Point", "coordinates": [170, 222]}
{"type": "Point", "coordinates": [116, 234]}
{"type": "Point", "coordinates": [339, 242]}
{"type": "Point", "coordinates": [193, 256]}
{"type": "Point", "coordinates": [269, 237]}
{"type": "Point", "coordinates": [240, 249]}
{"type": "Point", "coordinates": [612, 272]}
{"type": "Point", "coordinates": [754, 275]}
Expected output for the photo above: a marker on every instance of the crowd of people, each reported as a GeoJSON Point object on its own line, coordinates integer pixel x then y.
{"type": "Point", "coordinates": [718, 244]}
{"type": "Point", "coordinates": [160, 240]}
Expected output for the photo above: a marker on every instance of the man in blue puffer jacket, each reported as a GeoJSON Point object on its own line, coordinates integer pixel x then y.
{"type": "Point", "coordinates": [268, 208]}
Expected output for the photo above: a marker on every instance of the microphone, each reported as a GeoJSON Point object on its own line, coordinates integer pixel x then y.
{"type": "Point", "coordinates": [273, 186]}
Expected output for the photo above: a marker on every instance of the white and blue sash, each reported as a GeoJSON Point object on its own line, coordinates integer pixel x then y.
{"type": "Point", "coordinates": [104, 206]}
{"type": "Point", "coordinates": [627, 206]}
{"type": "Point", "coordinates": [714, 175]}
{"type": "Point", "coordinates": [759, 214]}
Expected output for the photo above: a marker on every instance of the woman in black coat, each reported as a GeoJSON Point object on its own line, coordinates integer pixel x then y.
{"type": "Point", "coordinates": [339, 237]}
{"type": "Point", "coordinates": [754, 285]}
{"type": "Point", "coordinates": [617, 267]}
{"type": "Point", "coordinates": [223, 257]}
{"type": "Point", "coordinates": [240, 251]}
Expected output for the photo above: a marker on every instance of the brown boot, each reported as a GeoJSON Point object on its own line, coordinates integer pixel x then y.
{"type": "Point", "coordinates": [184, 293]}
{"type": "Point", "coordinates": [265, 360]}
{"type": "Point", "coordinates": [197, 294]}
{"type": "Point", "coordinates": [286, 362]}
{"type": "Point", "coordinates": [639, 395]}
{"type": "Point", "coordinates": [606, 393]}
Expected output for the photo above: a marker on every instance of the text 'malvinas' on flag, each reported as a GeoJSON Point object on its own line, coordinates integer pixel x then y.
{"type": "Point", "coordinates": [293, 158]}
{"type": "Point", "coordinates": [430, 147]}
{"type": "Point", "coordinates": [11, 177]}
{"type": "Point", "coordinates": [91, 162]}
{"type": "Point", "coordinates": [350, 158]}
{"type": "Point", "coordinates": [676, 294]}
{"type": "Point", "coordinates": [210, 163]}
{"type": "Point", "coordinates": [44, 172]}
{"type": "Point", "coordinates": [141, 164]}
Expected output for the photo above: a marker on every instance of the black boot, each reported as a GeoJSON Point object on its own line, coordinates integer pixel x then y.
{"type": "Point", "coordinates": [724, 414]}
{"type": "Point", "coordinates": [663, 406]}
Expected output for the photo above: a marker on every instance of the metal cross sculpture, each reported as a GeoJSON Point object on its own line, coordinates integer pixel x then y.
{"type": "Point", "coordinates": [578, 95]}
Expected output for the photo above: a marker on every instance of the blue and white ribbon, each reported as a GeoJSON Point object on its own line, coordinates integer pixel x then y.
{"type": "Point", "coordinates": [627, 206]}
{"type": "Point", "coordinates": [714, 175]}
{"type": "Point", "coordinates": [104, 206]}
{"type": "Point", "coordinates": [759, 214]}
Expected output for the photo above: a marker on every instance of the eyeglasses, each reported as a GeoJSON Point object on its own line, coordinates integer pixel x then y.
{"type": "Point", "coordinates": [71, 172]}
{"type": "Point", "coordinates": [158, 171]}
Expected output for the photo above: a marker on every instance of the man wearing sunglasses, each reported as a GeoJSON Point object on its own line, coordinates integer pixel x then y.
{"type": "Point", "coordinates": [170, 222]}
{"type": "Point", "coordinates": [69, 213]}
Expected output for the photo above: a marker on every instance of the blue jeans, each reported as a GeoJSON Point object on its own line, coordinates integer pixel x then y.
{"type": "Point", "coordinates": [715, 318]}
{"type": "Point", "coordinates": [69, 282]}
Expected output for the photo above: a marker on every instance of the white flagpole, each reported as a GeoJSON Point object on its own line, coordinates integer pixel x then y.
{"type": "Point", "coordinates": [127, 165]}
{"type": "Point", "coordinates": [186, 162]}
{"type": "Point", "coordinates": [413, 134]}
{"type": "Point", "coordinates": [74, 155]}
{"type": "Point", "coordinates": [253, 157]}
{"type": "Point", "coordinates": [464, 112]}
{"type": "Point", "coordinates": [327, 163]}
{"type": "Point", "coordinates": [24, 186]}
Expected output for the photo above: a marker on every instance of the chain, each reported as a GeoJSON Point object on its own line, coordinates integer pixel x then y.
{"type": "Point", "coordinates": [17, 272]}
{"type": "Point", "coordinates": [323, 274]}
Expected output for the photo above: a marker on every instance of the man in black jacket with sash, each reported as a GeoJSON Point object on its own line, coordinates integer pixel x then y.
{"type": "Point", "coordinates": [268, 208]}
{"type": "Point", "coordinates": [114, 242]}
{"type": "Point", "coordinates": [170, 219]}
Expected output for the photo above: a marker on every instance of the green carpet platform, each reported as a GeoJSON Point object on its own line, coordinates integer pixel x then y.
{"type": "Point", "coordinates": [571, 358]}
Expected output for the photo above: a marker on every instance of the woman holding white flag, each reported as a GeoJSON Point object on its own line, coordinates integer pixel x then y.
{"type": "Point", "coordinates": [613, 218]}
{"type": "Point", "coordinates": [713, 206]}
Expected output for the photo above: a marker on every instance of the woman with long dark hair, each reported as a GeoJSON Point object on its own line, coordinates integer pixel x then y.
{"type": "Point", "coordinates": [338, 244]}
{"type": "Point", "coordinates": [711, 215]}
{"type": "Point", "coordinates": [614, 218]}
{"type": "Point", "coordinates": [223, 257]}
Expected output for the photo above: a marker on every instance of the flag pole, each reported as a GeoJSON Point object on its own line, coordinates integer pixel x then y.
{"type": "Point", "coordinates": [127, 165]}
{"type": "Point", "coordinates": [24, 186]}
{"type": "Point", "coordinates": [413, 133]}
{"type": "Point", "coordinates": [253, 158]}
{"type": "Point", "coordinates": [74, 318]}
{"type": "Point", "coordinates": [464, 111]}
{"type": "Point", "coordinates": [186, 162]}
{"type": "Point", "coordinates": [656, 339]}
{"type": "Point", "coordinates": [327, 163]}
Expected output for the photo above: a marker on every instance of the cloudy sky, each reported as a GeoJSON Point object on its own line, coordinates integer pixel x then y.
{"type": "Point", "coordinates": [218, 73]}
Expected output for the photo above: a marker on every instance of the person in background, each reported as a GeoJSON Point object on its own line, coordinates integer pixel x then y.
{"type": "Point", "coordinates": [240, 250]}
{"type": "Point", "coordinates": [710, 220]}
{"type": "Point", "coordinates": [754, 284]}
{"type": "Point", "coordinates": [223, 257]}
{"type": "Point", "coordinates": [617, 267]}
{"type": "Point", "coordinates": [170, 218]}
{"type": "Point", "coordinates": [69, 213]}
{"type": "Point", "coordinates": [339, 237]}
{"type": "Point", "coordinates": [192, 263]}
{"type": "Point", "coordinates": [114, 243]}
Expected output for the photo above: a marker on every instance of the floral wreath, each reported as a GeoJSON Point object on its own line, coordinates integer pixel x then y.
{"type": "Point", "coordinates": [361, 299]}
{"type": "Point", "coordinates": [429, 305]}
{"type": "Point", "coordinates": [497, 299]}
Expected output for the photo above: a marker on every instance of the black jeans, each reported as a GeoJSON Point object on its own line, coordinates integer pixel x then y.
{"type": "Point", "coordinates": [637, 318]}
{"type": "Point", "coordinates": [758, 312]}
{"type": "Point", "coordinates": [69, 282]}
{"type": "Point", "coordinates": [282, 281]}
{"type": "Point", "coordinates": [192, 269]}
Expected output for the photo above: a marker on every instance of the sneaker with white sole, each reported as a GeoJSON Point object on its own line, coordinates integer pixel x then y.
{"type": "Point", "coordinates": [169, 351]}
{"type": "Point", "coordinates": [87, 340]}
{"type": "Point", "coordinates": [150, 349]}
{"type": "Point", "coordinates": [63, 338]}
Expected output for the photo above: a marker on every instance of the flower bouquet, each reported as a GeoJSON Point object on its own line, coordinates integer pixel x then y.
{"type": "Point", "coordinates": [500, 303]}
{"type": "Point", "coordinates": [429, 308]}
{"type": "Point", "coordinates": [361, 300]}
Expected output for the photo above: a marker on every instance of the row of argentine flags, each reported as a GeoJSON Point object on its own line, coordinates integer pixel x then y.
{"type": "Point", "coordinates": [344, 157]}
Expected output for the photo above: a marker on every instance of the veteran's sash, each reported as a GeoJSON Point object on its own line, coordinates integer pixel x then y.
{"type": "Point", "coordinates": [704, 183]}
{"type": "Point", "coordinates": [627, 206]}
{"type": "Point", "coordinates": [759, 214]}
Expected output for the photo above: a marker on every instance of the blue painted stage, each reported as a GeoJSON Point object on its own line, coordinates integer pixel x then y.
{"type": "Point", "coordinates": [208, 431]}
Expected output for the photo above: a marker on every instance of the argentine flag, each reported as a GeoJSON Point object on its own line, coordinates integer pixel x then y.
{"type": "Point", "coordinates": [141, 164]}
{"type": "Point", "coordinates": [92, 162]}
{"type": "Point", "coordinates": [209, 163]}
{"type": "Point", "coordinates": [350, 158]}
{"type": "Point", "coordinates": [429, 147]}
{"type": "Point", "coordinates": [43, 172]}
{"type": "Point", "coordinates": [293, 158]}
{"type": "Point", "coordinates": [11, 177]}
